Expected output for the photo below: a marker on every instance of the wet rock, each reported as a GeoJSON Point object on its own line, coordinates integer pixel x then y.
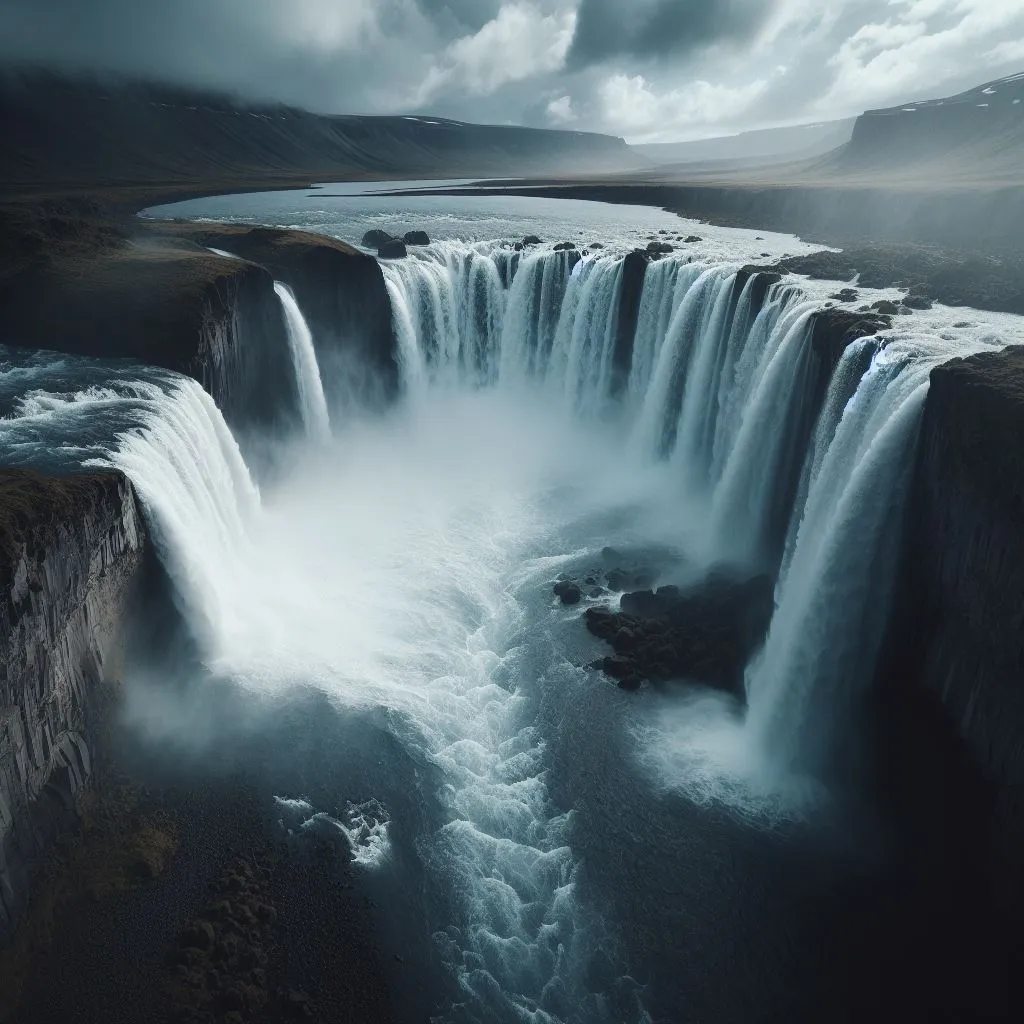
{"type": "Point", "coordinates": [885, 307]}
{"type": "Point", "coordinates": [531, 240]}
{"type": "Point", "coordinates": [917, 299]}
{"type": "Point", "coordinates": [596, 245]}
{"type": "Point", "coordinates": [518, 247]}
{"type": "Point", "coordinates": [565, 247]}
{"type": "Point", "coordinates": [660, 248]}
{"type": "Point", "coordinates": [376, 238]}
{"type": "Point", "coordinates": [569, 592]}
{"type": "Point", "coordinates": [693, 238]}
{"type": "Point", "coordinates": [845, 295]}
{"type": "Point", "coordinates": [705, 633]}
{"type": "Point", "coordinates": [416, 238]}
{"type": "Point", "coordinates": [392, 250]}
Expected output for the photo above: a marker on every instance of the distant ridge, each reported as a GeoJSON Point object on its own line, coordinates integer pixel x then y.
{"type": "Point", "coordinates": [78, 130]}
{"type": "Point", "coordinates": [764, 145]}
{"type": "Point", "coordinates": [977, 135]}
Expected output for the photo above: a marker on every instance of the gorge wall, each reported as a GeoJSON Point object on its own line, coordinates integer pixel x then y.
{"type": "Point", "coordinates": [71, 548]}
{"type": "Point", "coordinates": [70, 552]}
{"type": "Point", "coordinates": [960, 631]}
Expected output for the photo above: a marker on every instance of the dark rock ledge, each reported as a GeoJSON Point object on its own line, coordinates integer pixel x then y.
{"type": "Point", "coordinates": [70, 551]}
{"type": "Point", "coordinates": [705, 633]}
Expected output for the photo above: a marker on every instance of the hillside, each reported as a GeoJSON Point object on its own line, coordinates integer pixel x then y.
{"type": "Point", "coordinates": [974, 137]}
{"type": "Point", "coordinates": [766, 145]}
{"type": "Point", "coordinates": [63, 131]}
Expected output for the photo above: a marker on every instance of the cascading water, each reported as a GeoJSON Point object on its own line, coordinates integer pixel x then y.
{"type": "Point", "coordinates": [409, 568]}
{"type": "Point", "coordinates": [307, 373]}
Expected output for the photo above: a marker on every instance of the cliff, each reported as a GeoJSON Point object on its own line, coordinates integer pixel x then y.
{"type": "Point", "coordinates": [959, 630]}
{"type": "Point", "coordinates": [340, 290]}
{"type": "Point", "coordinates": [70, 549]}
{"type": "Point", "coordinates": [78, 283]}
{"type": "Point", "coordinates": [82, 286]}
{"type": "Point", "coordinates": [977, 132]}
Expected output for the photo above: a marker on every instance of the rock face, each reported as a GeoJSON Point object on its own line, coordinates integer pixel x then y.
{"type": "Point", "coordinates": [167, 303]}
{"type": "Point", "coordinates": [70, 551]}
{"type": "Point", "coordinates": [634, 270]}
{"type": "Point", "coordinates": [705, 634]}
{"type": "Point", "coordinates": [340, 290]}
{"type": "Point", "coordinates": [958, 634]}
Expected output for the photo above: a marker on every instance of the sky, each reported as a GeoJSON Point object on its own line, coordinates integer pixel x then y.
{"type": "Point", "coordinates": [646, 70]}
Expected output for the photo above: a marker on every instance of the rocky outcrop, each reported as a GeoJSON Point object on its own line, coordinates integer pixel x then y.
{"type": "Point", "coordinates": [163, 302]}
{"type": "Point", "coordinates": [631, 290]}
{"type": "Point", "coordinates": [342, 295]}
{"type": "Point", "coordinates": [70, 550]}
{"type": "Point", "coordinates": [705, 633]}
{"type": "Point", "coordinates": [980, 280]}
{"type": "Point", "coordinates": [958, 634]}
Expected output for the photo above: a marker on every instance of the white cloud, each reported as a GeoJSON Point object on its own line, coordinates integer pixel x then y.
{"type": "Point", "coordinates": [325, 25]}
{"type": "Point", "coordinates": [560, 111]}
{"type": "Point", "coordinates": [630, 104]}
{"type": "Point", "coordinates": [902, 55]}
{"type": "Point", "coordinates": [521, 42]}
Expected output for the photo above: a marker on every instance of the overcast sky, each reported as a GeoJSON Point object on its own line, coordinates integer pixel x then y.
{"type": "Point", "coordinates": [648, 70]}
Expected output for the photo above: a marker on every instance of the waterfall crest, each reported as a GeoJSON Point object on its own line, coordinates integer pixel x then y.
{"type": "Point", "coordinates": [197, 492]}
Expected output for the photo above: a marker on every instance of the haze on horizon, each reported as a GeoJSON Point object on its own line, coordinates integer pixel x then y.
{"type": "Point", "coordinates": [649, 70]}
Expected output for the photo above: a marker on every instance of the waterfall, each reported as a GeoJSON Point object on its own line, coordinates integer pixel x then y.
{"type": "Point", "coordinates": [197, 493]}
{"type": "Point", "coordinates": [834, 597]}
{"type": "Point", "coordinates": [307, 373]}
{"type": "Point", "coordinates": [408, 570]}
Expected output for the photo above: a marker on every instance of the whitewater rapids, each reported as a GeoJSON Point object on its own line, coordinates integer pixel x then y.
{"type": "Point", "coordinates": [405, 567]}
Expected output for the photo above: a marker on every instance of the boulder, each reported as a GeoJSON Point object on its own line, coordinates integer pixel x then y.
{"type": "Point", "coordinates": [568, 591]}
{"type": "Point", "coordinates": [660, 248]}
{"type": "Point", "coordinates": [845, 295]}
{"type": "Point", "coordinates": [565, 247]}
{"type": "Point", "coordinates": [596, 245]}
{"type": "Point", "coordinates": [376, 238]}
{"type": "Point", "coordinates": [694, 238]}
{"type": "Point", "coordinates": [531, 240]}
{"type": "Point", "coordinates": [392, 250]}
{"type": "Point", "coordinates": [917, 299]}
{"type": "Point", "coordinates": [705, 633]}
{"type": "Point", "coordinates": [885, 307]}
{"type": "Point", "coordinates": [416, 238]}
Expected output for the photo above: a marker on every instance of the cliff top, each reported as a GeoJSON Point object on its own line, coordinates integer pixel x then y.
{"type": "Point", "coordinates": [33, 508]}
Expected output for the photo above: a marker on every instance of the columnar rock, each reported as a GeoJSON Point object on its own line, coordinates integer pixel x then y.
{"type": "Point", "coordinates": [70, 550]}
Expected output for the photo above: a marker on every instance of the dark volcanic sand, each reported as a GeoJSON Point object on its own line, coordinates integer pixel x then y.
{"type": "Point", "coordinates": [121, 955]}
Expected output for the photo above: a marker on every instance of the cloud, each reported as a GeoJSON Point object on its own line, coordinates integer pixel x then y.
{"type": "Point", "coordinates": [638, 68]}
{"type": "Point", "coordinates": [918, 40]}
{"type": "Point", "coordinates": [658, 28]}
{"type": "Point", "coordinates": [560, 111]}
{"type": "Point", "coordinates": [521, 42]}
{"type": "Point", "coordinates": [648, 116]}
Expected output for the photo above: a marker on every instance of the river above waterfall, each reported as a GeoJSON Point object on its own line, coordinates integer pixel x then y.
{"type": "Point", "coordinates": [541, 845]}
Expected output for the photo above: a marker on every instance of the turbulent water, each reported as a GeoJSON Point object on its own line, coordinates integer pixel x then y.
{"type": "Point", "coordinates": [405, 566]}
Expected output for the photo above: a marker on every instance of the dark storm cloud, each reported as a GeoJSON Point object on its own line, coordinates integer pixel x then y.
{"type": "Point", "coordinates": [660, 28]}
{"type": "Point", "coordinates": [326, 54]}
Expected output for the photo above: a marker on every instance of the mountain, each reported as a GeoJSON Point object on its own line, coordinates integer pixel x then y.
{"type": "Point", "coordinates": [766, 145]}
{"type": "Point", "coordinates": [976, 136]}
{"type": "Point", "coordinates": [60, 130]}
